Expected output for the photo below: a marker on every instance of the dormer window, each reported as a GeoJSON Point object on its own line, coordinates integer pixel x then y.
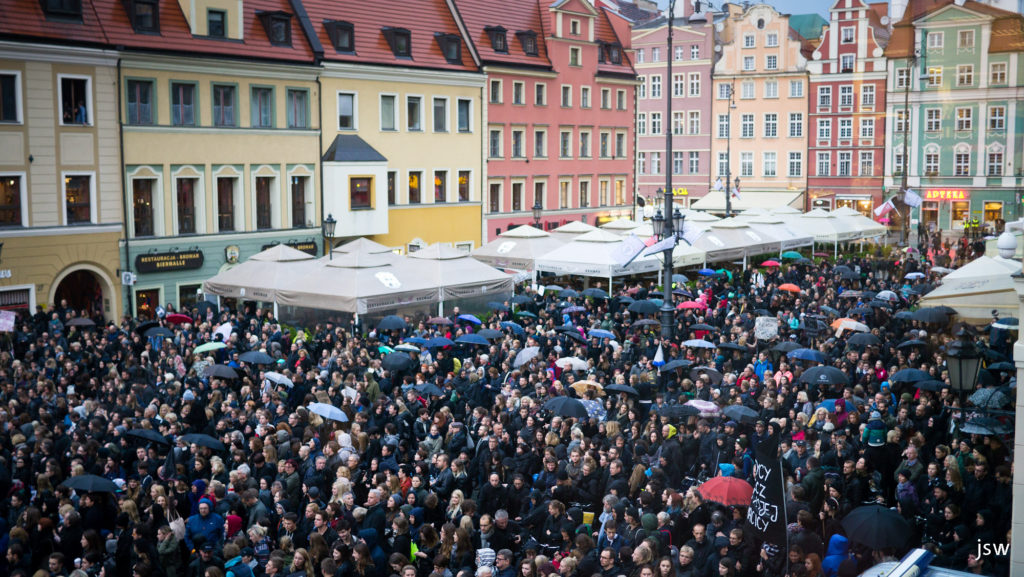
{"type": "Point", "coordinates": [144, 15]}
{"type": "Point", "coordinates": [615, 53]}
{"type": "Point", "coordinates": [342, 34]}
{"type": "Point", "coordinates": [528, 40]}
{"type": "Point", "coordinates": [602, 49]}
{"type": "Point", "coordinates": [499, 38]}
{"type": "Point", "coordinates": [400, 41]}
{"type": "Point", "coordinates": [451, 47]}
{"type": "Point", "coordinates": [278, 26]}
{"type": "Point", "coordinates": [66, 9]}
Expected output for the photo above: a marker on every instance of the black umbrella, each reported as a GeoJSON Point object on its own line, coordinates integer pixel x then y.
{"type": "Point", "coordinates": [397, 361]}
{"type": "Point", "coordinates": [566, 407]}
{"type": "Point", "coordinates": [618, 388]}
{"type": "Point", "coordinates": [90, 484]}
{"type": "Point", "coordinates": [496, 306]}
{"type": "Point", "coordinates": [678, 411]}
{"type": "Point", "coordinates": [576, 336]}
{"type": "Point", "coordinates": [1001, 366]}
{"type": "Point", "coordinates": [676, 364]}
{"type": "Point", "coordinates": [142, 328]}
{"type": "Point", "coordinates": [741, 414]}
{"type": "Point", "coordinates": [567, 293]}
{"type": "Point", "coordinates": [840, 269]}
{"type": "Point", "coordinates": [849, 276]}
{"type": "Point", "coordinates": [829, 310]}
{"type": "Point", "coordinates": [763, 312]}
{"type": "Point", "coordinates": [429, 389]}
{"type": "Point", "coordinates": [911, 344]}
{"type": "Point", "coordinates": [490, 333]}
{"type": "Point", "coordinates": [860, 311]}
{"type": "Point", "coordinates": [624, 299]}
{"type": "Point", "coordinates": [702, 327]}
{"type": "Point", "coordinates": [931, 315]}
{"type": "Point", "coordinates": [904, 316]}
{"type": "Point", "coordinates": [909, 376]}
{"type": "Point", "coordinates": [712, 373]}
{"type": "Point", "coordinates": [595, 293]}
{"type": "Point", "coordinates": [148, 435]}
{"type": "Point", "coordinates": [521, 300]}
{"type": "Point", "coordinates": [786, 347]}
{"type": "Point", "coordinates": [931, 385]}
{"type": "Point", "coordinates": [159, 332]}
{"type": "Point", "coordinates": [203, 441]}
{"type": "Point", "coordinates": [985, 426]}
{"type": "Point", "coordinates": [824, 375]}
{"type": "Point", "coordinates": [732, 347]}
{"type": "Point", "coordinates": [80, 322]}
{"type": "Point", "coordinates": [204, 307]}
{"type": "Point", "coordinates": [392, 323]}
{"type": "Point", "coordinates": [256, 358]}
{"type": "Point", "coordinates": [863, 340]}
{"type": "Point", "coordinates": [876, 527]}
{"type": "Point", "coordinates": [220, 371]}
{"type": "Point", "coordinates": [645, 323]}
{"type": "Point", "coordinates": [644, 307]}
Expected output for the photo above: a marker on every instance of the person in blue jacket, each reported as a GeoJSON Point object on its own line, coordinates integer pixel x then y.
{"type": "Point", "coordinates": [838, 551]}
{"type": "Point", "coordinates": [204, 527]}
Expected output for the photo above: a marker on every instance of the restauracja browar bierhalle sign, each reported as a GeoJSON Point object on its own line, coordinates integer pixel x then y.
{"type": "Point", "coordinates": [169, 261]}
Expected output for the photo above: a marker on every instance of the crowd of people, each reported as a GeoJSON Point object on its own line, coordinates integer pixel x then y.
{"type": "Point", "coordinates": [456, 465]}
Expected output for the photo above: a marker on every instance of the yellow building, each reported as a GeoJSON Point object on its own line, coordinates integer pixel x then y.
{"type": "Point", "coordinates": [762, 137]}
{"type": "Point", "coordinates": [60, 190]}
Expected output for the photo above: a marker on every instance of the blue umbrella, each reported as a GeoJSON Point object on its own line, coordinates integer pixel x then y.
{"type": "Point", "coordinates": [472, 339]}
{"type": "Point", "coordinates": [829, 405]}
{"type": "Point", "coordinates": [601, 334]}
{"type": "Point", "coordinates": [416, 340]}
{"type": "Point", "coordinates": [706, 272]}
{"type": "Point", "coordinates": [429, 389]}
{"type": "Point", "coordinates": [439, 342]}
{"type": "Point", "coordinates": [909, 376]}
{"type": "Point", "coordinates": [514, 327]}
{"type": "Point", "coordinates": [807, 355]}
{"type": "Point", "coordinates": [469, 319]}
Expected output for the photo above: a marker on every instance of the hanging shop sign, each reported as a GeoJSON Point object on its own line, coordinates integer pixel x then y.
{"type": "Point", "coordinates": [946, 194]}
{"type": "Point", "coordinates": [169, 261]}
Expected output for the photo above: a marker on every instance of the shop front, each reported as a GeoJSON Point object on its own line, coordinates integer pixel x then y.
{"type": "Point", "coordinates": [862, 204]}
{"type": "Point", "coordinates": [947, 209]}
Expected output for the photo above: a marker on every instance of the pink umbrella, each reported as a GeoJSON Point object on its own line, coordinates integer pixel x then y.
{"type": "Point", "coordinates": [706, 408]}
{"type": "Point", "coordinates": [691, 305]}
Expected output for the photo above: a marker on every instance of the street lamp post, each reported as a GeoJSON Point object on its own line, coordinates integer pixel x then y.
{"type": "Point", "coordinates": [911, 61]}
{"type": "Point", "coordinates": [663, 223]}
{"type": "Point", "coordinates": [538, 210]}
{"type": "Point", "coordinates": [728, 150]}
{"type": "Point", "coordinates": [327, 229]}
{"type": "Point", "coordinates": [964, 361]}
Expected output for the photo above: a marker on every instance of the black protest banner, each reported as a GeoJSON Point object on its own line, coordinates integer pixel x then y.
{"type": "Point", "coordinates": [766, 517]}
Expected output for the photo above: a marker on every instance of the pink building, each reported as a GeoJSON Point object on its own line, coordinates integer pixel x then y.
{"type": "Point", "coordinates": [690, 90]}
{"type": "Point", "coordinates": [559, 115]}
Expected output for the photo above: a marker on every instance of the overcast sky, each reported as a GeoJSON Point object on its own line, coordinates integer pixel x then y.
{"type": "Point", "coordinates": [784, 6]}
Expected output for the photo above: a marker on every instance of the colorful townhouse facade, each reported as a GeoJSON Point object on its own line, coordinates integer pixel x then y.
{"type": "Point", "coordinates": [759, 107]}
{"type": "Point", "coordinates": [847, 109]}
{"type": "Point", "coordinates": [689, 88]}
{"type": "Point", "coordinates": [953, 83]}
{"type": "Point", "coordinates": [60, 184]}
{"type": "Point", "coordinates": [559, 112]}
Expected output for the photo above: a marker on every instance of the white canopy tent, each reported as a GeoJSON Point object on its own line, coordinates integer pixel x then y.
{"type": "Point", "coordinates": [620, 225]}
{"type": "Point", "coordinates": [732, 239]}
{"type": "Point", "coordinates": [824, 226]}
{"type": "Point", "coordinates": [571, 230]}
{"type": "Point", "coordinates": [595, 254]}
{"type": "Point", "coordinates": [864, 226]}
{"type": "Point", "coordinates": [259, 277]}
{"type": "Point", "coordinates": [774, 225]}
{"type": "Point", "coordinates": [459, 276]}
{"type": "Point", "coordinates": [517, 249]}
{"type": "Point", "coordinates": [979, 287]}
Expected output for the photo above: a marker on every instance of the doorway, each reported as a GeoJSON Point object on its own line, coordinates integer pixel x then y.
{"type": "Point", "coordinates": [146, 302]}
{"type": "Point", "coordinates": [82, 290]}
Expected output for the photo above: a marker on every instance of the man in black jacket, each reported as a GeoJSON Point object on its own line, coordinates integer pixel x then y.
{"type": "Point", "coordinates": [493, 496]}
{"type": "Point", "coordinates": [703, 548]}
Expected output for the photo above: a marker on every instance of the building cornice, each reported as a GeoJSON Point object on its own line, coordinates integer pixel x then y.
{"type": "Point", "coordinates": [230, 67]}
{"type": "Point", "coordinates": [58, 53]}
{"type": "Point", "coordinates": [348, 71]}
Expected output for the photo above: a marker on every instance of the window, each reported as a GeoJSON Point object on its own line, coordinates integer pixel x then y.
{"type": "Point", "coordinates": [723, 91]}
{"type": "Point", "coordinates": [540, 149]}
{"type": "Point", "coordinates": [263, 202]}
{"type": "Point", "coordinates": [931, 161]}
{"type": "Point", "coordinates": [748, 63]}
{"type": "Point", "coordinates": [494, 143]}
{"type": "Point", "coordinates": [517, 196]}
{"type": "Point", "coordinates": [399, 40]}
{"type": "Point", "coordinates": [845, 128]}
{"type": "Point", "coordinates": [824, 96]}
{"type": "Point", "coordinates": [694, 162]}
{"type": "Point", "coordinates": [464, 115]}
{"type": "Point", "coordinates": [748, 40]}
{"type": "Point", "coordinates": [140, 102]}
{"type": "Point", "coordinates": [11, 201]}
{"type": "Point", "coordinates": [771, 62]}
{"type": "Point", "coordinates": [746, 164]}
{"type": "Point", "coordinates": [226, 204]}
{"type": "Point", "coordinates": [962, 162]}
{"type": "Point", "coordinates": [65, 9]}
{"type": "Point", "coordinates": [517, 144]}
{"type": "Point", "coordinates": [677, 123]}
{"type": "Point", "coordinates": [641, 123]}
{"type": "Point", "coordinates": [846, 34]}
{"type": "Point", "coordinates": [565, 144]}
{"type": "Point", "coordinates": [747, 90]}
{"type": "Point", "coordinates": [747, 126]}
{"type": "Point", "coordinates": [640, 56]}
{"type": "Point", "coordinates": [723, 163]}
{"type": "Point", "coordinates": [223, 105]}
{"type": "Point", "coordinates": [538, 192]}
{"type": "Point", "coordinates": [566, 96]}
{"type": "Point", "coordinates": [215, 23]}
{"type": "Point", "coordinates": [771, 125]}
{"type": "Point", "coordinates": [528, 40]}
{"type": "Point", "coordinates": [694, 122]}
{"type": "Point", "coordinates": [656, 86]}
{"type": "Point", "coordinates": [540, 94]}
{"type": "Point", "coordinates": [677, 162]}
{"type": "Point", "coordinates": [965, 39]}
{"type": "Point", "coordinates": [342, 35]}
{"type": "Point", "coordinates": [75, 100]}
{"type": "Point", "coordinates": [694, 84]}
{"type": "Point", "coordinates": [678, 85]}
{"type": "Point", "coordinates": [584, 97]}
{"type": "Point", "coordinates": [867, 96]}
{"type": "Point", "coordinates": [796, 164]}
{"type": "Point", "coordinates": [824, 128]}
{"type": "Point", "coordinates": [997, 118]}
{"type": "Point", "coordinates": [606, 99]}
{"type": "Point", "coordinates": [359, 188]}
{"type": "Point", "coordinates": [262, 107]}
{"type": "Point", "coordinates": [997, 73]}
{"type": "Point", "coordinates": [584, 193]}
{"type": "Point", "coordinates": [824, 164]}
{"type": "Point", "coordinates": [933, 120]}
{"type": "Point", "coordinates": [440, 114]}
{"type": "Point", "coordinates": [695, 52]}
{"type": "Point", "coordinates": [769, 160]}
{"type": "Point", "coordinates": [902, 77]}
{"type": "Point", "coordinates": [934, 76]}
{"type": "Point", "coordinates": [346, 111]}
{"type": "Point", "coordinates": [995, 163]}
{"type": "Point", "coordinates": [964, 118]}
{"type": "Point", "coordinates": [965, 75]}
{"type": "Point", "coordinates": [656, 123]}
{"type": "Point", "coordinates": [900, 124]}
{"type": "Point", "coordinates": [796, 88]}
{"type": "Point", "coordinates": [723, 126]}
{"type": "Point", "coordinates": [602, 193]}
{"type": "Point", "coordinates": [867, 128]}
{"type": "Point", "coordinates": [142, 206]}
{"type": "Point", "coordinates": [846, 96]}
{"type": "Point", "coordinates": [415, 184]}
{"type": "Point", "coordinates": [771, 89]}
{"type": "Point", "coordinates": [846, 63]}
{"type": "Point", "coordinates": [574, 56]}
{"type": "Point", "coordinates": [620, 145]}
{"type": "Point", "coordinates": [518, 89]}
{"type": "Point", "coordinates": [499, 38]}
{"type": "Point", "coordinates": [10, 97]}
{"type": "Point", "coordinates": [440, 186]}
{"type": "Point", "coordinates": [298, 108]}
{"type": "Point", "coordinates": [278, 26]}
{"type": "Point", "coordinates": [867, 163]}
{"type": "Point", "coordinates": [936, 40]}
{"type": "Point", "coordinates": [563, 194]}
{"type": "Point", "coordinates": [845, 160]}
{"type": "Point", "coordinates": [605, 145]}
{"type": "Point", "coordinates": [494, 197]}
{"type": "Point", "coordinates": [641, 162]}
{"type": "Point", "coordinates": [298, 186]}
{"type": "Point", "coordinates": [414, 113]}
{"type": "Point", "coordinates": [656, 54]}
{"type": "Point", "coordinates": [620, 99]}
{"type": "Point", "coordinates": [897, 163]}
{"type": "Point", "coordinates": [771, 40]}
{"type": "Point", "coordinates": [655, 163]}
{"type": "Point", "coordinates": [186, 197]}
{"type": "Point", "coordinates": [796, 124]}
{"type": "Point", "coordinates": [495, 92]}
{"type": "Point", "coordinates": [145, 16]}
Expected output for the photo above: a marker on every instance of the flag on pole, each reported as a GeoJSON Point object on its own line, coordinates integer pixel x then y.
{"type": "Point", "coordinates": [662, 246]}
{"type": "Point", "coordinates": [911, 198]}
{"type": "Point", "coordinates": [626, 252]}
{"type": "Point", "coordinates": [736, 192]}
{"type": "Point", "coordinates": [885, 208]}
{"type": "Point", "coordinates": [718, 185]}
{"type": "Point", "coordinates": [224, 331]}
{"type": "Point", "coordinates": [659, 357]}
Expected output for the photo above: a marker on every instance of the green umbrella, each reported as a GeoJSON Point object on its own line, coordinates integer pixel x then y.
{"type": "Point", "coordinates": [384, 349]}
{"type": "Point", "coordinates": [209, 347]}
{"type": "Point", "coordinates": [725, 272]}
{"type": "Point", "coordinates": [792, 254]}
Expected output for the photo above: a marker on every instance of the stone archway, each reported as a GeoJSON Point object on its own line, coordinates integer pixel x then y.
{"type": "Point", "coordinates": [83, 286]}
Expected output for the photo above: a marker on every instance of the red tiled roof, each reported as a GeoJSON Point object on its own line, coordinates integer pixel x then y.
{"type": "Point", "coordinates": [423, 18]}
{"type": "Point", "coordinates": [25, 18]}
{"type": "Point", "coordinates": [1007, 27]}
{"type": "Point", "coordinates": [518, 16]}
{"type": "Point", "coordinates": [604, 32]}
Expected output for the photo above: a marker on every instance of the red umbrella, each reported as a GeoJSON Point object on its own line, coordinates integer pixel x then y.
{"type": "Point", "coordinates": [179, 319]}
{"type": "Point", "coordinates": [690, 305]}
{"type": "Point", "coordinates": [728, 491]}
{"type": "Point", "coordinates": [770, 263]}
{"type": "Point", "coordinates": [789, 287]}
{"type": "Point", "coordinates": [823, 254]}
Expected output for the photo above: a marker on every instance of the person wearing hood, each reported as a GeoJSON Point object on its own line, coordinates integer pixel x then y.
{"type": "Point", "coordinates": [235, 566]}
{"type": "Point", "coordinates": [204, 527]}
{"type": "Point", "coordinates": [838, 551]}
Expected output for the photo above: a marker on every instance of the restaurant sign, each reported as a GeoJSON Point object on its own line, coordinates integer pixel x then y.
{"type": "Point", "coordinates": [308, 247]}
{"type": "Point", "coordinates": [946, 194]}
{"type": "Point", "coordinates": [169, 261]}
